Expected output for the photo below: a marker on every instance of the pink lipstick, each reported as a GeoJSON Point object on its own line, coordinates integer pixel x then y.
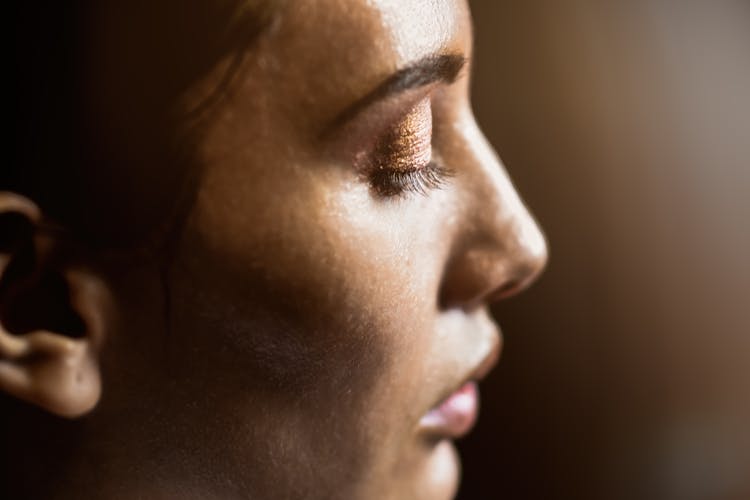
{"type": "Point", "coordinates": [455, 416]}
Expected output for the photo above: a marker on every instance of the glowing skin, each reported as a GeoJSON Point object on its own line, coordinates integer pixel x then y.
{"type": "Point", "coordinates": [314, 317]}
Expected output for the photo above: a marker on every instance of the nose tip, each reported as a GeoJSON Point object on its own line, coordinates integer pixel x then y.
{"type": "Point", "coordinates": [496, 266]}
{"type": "Point", "coordinates": [529, 255]}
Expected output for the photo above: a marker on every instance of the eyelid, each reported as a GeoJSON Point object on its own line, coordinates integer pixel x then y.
{"type": "Point", "coordinates": [393, 109]}
{"type": "Point", "coordinates": [430, 71]}
{"type": "Point", "coordinates": [407, 144]}
{"type": "Point", "coordinates": [398, 157]}
{"type": "Point", "coordinates": [361, 134]}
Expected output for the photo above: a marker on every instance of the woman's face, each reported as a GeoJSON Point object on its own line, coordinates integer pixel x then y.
{"type": "Point", "coordinates": [330, 287]}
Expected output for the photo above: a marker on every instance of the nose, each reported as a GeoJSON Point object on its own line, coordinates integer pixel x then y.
{"type": "Point", "coordinates": [499, 249]}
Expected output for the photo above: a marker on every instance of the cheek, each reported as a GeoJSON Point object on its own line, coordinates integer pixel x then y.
{"type": "Point", "coordinates": [307, 307]}
{"type": "Point", "coordinates": [305, 291]}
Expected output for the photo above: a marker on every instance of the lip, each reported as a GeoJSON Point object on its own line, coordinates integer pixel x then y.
{"type": "Point", "coordinates": [455, 415]}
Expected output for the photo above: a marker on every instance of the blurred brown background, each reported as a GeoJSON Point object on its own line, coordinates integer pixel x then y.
{"type": "Point", "coordinates": [626, 370]}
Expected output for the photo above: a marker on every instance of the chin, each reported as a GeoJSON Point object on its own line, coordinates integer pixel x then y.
{"type": "Point", "coordinates": [441, 475]}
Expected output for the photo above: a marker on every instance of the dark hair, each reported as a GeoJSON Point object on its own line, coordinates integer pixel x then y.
{"type": "Point", "coordinates": [98, 133]}
{"type": "Point", "coordinates": [96, 87]}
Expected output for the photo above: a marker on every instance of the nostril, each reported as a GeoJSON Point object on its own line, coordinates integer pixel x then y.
{"type": "Point", "coordinates": [506, 290]}
{"type": "Point", "coordinates": [525, 274]}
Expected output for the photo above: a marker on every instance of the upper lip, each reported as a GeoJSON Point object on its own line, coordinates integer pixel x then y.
{"type": "Point", "coordinates": [480, 370]}
{"type": "Point", "coordinates": [488, 362]}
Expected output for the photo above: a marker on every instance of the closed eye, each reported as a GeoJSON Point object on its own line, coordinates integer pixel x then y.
{"type": "Point", "coordinates": [402, 161]}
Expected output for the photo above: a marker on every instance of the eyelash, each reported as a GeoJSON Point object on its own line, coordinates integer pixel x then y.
{"type": "Point", "coordinates": [392, 183]}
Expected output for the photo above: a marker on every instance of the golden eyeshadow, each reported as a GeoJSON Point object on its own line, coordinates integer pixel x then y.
{"type": "Point", "coordinates": [407, 146]}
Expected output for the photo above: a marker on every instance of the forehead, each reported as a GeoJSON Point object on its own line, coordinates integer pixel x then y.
{"type": "Point", "coordinates": [322, 54]}
{"type": "Point", "coordinates": [419, 27]}
{"type": "Point", "coordinates": [405, 29]}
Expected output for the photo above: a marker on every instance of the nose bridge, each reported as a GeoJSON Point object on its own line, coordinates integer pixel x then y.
{"type": "Point", "coordinates": [504, 223]}
{"type": "Point", "coordinates": [502, 248]}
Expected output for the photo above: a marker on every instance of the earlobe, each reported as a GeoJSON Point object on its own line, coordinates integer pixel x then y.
{"type": "Point", "coordinates": [57, 374]}
{"type": "Point", "coordinates": [43, 359]}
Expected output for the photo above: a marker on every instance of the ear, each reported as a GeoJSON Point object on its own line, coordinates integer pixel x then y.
{"type": "Point", "coordinates": [52, 312]}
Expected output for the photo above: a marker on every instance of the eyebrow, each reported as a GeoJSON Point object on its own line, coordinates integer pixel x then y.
{"type": "Point", "coordinates": [431, 69]}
